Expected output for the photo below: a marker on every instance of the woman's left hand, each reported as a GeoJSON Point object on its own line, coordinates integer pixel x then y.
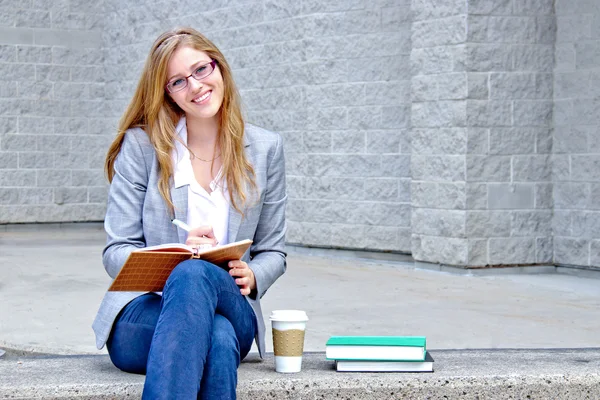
{"type": "Point", "coordinates": [244, 277]}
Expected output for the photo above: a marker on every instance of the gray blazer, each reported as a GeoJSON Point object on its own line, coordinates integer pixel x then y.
{"type": "Point", "coordinates": [137, 216]}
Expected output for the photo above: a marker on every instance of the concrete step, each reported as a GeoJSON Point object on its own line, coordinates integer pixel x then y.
{"type": "Point", "coordinates": [465, 374]}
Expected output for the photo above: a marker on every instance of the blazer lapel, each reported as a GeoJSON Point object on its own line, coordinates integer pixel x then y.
{"type": "Point", "coordinates": [179, 196]}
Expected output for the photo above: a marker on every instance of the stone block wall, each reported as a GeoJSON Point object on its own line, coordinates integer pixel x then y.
{"type": "Point", "coordinates": [52, 111]}
{"type": "Point", "coordinates": [576, 159]}
{"type": "Point", "coordinates": [464, 132]}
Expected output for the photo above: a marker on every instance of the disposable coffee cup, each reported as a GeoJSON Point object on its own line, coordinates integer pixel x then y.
{"type": "Point", "coordinates": [288, 339]}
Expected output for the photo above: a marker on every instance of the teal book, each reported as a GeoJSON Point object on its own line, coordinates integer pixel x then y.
{"type": "Point", "coordinates": [376, 348]}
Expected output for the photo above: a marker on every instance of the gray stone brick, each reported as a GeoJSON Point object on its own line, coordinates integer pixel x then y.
{"type": "Point", "coordinates": [91, 56]}
{"type": "Point", "coordinates": [424, 194]}
{"type": "Point", "coordinates": [563, 112]}
{"type": "Point", "coordinates": [87, 74]}
{"type": "Point", "coordinates": [279, 98]}
{"type": "Point", "coordinates": [295, 163]}
{"type": "Point", "coordinates": [363, 117]}
{"type": "Point", "coordinates": [8, 53]}
{"type": "Point", "coordinates": [395, 166]}
{"type": "Point", "coordinates": [594, 204]}
{"type": "Point", "coordinates": [543, 141]}
{"type": "Point", "coordinates": [439, 32]}
{"type": "Point", "coordinates": [318, 142]}
{"type": "Point", "coordinates": [35, 125]}
{"type": "Point", "coordinates": [332, 95]}
{"type": "Point", "coordinates": [306, 233]}
{"type": "Point", "coordinates": [452, 86]}
{"type": "Point", "coordinates": [510, 196]}
{"type": "Point", "coordinates": [276, 120]}
{"type": "Point", "coordinates": [432, 222]}
{"type": "Point", "coordinates": [478, 140]}
{"type": "Point", "coordinates": [535, 57]}
{"type": "Point", "coordinates": [315, 6]}
{"type": "Point", "coordinates": [485, 224]}
{"type": "Point", "coordinates": [87, 177]}
{"type": "Point", "coordinates": [17, 178]}
{"type": "Point", "coordinates": [564, 58]}
{"type": "Point", "coordinates": [293, 142]}
{"type": "Point", "coordinates": [53, 178]}
{"type": "Point", "coordinates": [512, 141]}
{"type": "Point", "coordinates": [349, 141]}
{"type": "Point", "coordinates": [34, 196]}
{"type": "Point", "coordinates": [35, 90]}
{"type": "Point", "coordinates": [477, 28]}
{"type": "Point", "coordinates": [532, 113]}
{"type": "Point", "coordinates": [491, 7]}
{"type": "Point", "coordinates": [83, 143]}
{"type": "Point", "coordinates": [384, 141]}
{"type": "Point", "coordinates": [546, 29]}
{"type": "Point", "coordinates": [561, 167]}
{"type": "Point", "coordinates": [488, 168]}
{"type": "Point", "coordinates": [434, 249]}
{"type": "Point", "coordinates": [531, 223]}
{"type": "Point", "coordinates": [439, 141]}
{"type": "Point", "coordinates": [534, 7]}
{"type": "Point", "coordinates": [329, 118]}
{"type": "Point", "coordinates": [430, 9]}
{"type": "Point", "coordinates": [66, 160]}
{"type": "Point", "coordinates": [295, 187]}
{"type": "Point", "coordinates": [476, 196]}
{"type": "Point", "coordinates": [281, 9]}
{"type": "Point", "coordinates": [452, 196]}
{"type": "Point", "coordinates": [544, 250]}
{"type": "Point", "coordinates": [64, 19]}
{"type": "Point", "coordinates": [438, 168]}
{"type": "Point", "coordinates": [511, 30]}
{"type": "Point", "coordinates": [586, 111]}
{"type": "Point", "coordinates": [378, 68]}
{"type": "Point", "coordinates": [580, 223]}
{"type": "Point", "coordinates": [342, 23]}
{"type": "Point", "coordinates": [9, 160]}
{"type": "Point", "coordinates": [482, 113]}
{"type": "Point", "coordinates": [97, 194]}
{"type": "Point", "coordinates": [97, 126]}
{"type": "Point", "coordinates": [9, 196]}
{"type": "Point", "coordinates": [561, 223]}
{"type": "Point", "coordinates": [35, 160]}
{"type": "Point", "coordinates": [424, 88]}
{"type": "Point", "coordinates": [439, 114]}
{"type": "Point", "coordinates": [585, 167]}
{"type": "Point", "coordinates": [32, 19]}
{"type": "Point", "coordinates": [573, 28]}
{"type": "Point", "coordinates": [348, 236]}
{"type": "Point", "coordinates": [478, 254]}
{"type": "Point", "coordinates": [569, 251]}
{"type": "Point", "coordinates": [404, 191]}
{"type": "Point", "coordinates": [571, 195]}
{"type": "Point", "coordinates": [19, 142]}
{"type": "Point", "coordinates": [8, 125]}
{"type": "Point", "coordinates": [388, 93]}
{"type": "Point", "coordinates": [543, 195]}
{"type": "Point", "coordinates": [595, 252]}
{"type": "Point", "coordinates": [489, 57]}
{"type": "Point", "coordinates": [520, 86]}
{"type": "Point", "coordinates": [334, 188]}
{"type": "Point", "coordinates": [532, 168]}
{"type": "Point", "coordinates": [512, 251]}
{"type": "Point", "coordinates": [17, 72]}
{"type": "Point", "coordinates": [54, 73]}
{"type": "Point", "coordinates": [569, 139]}
{"type": "Point", "coordinates": [433, 60]}
{"type": "Point", "coordinates": [66, 195]}
{"type": "Point", "coordinates": [395, 117]}
{"type": "Point", "coordinates": [381, 189]}
{"type": "Point", "coordinates": [380, 238]}
{"type": "Point", "coordinates": [55, 37]}
{"type": "Point", "coordinates": [393, 17]}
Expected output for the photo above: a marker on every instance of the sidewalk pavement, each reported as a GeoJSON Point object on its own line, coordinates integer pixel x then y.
{"type": "Point", "coordinates": [52, 281]}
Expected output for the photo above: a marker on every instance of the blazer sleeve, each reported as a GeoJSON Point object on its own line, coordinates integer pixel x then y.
{"type": "Point", "coordinates": [123, 221]}
{"type": "Point", "coordinates": [268, 249]}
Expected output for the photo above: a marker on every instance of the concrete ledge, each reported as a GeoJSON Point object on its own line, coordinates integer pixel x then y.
{"type": "Point", "coordinates": [465, 374]}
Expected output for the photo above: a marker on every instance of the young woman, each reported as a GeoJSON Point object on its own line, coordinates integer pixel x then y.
{"type": "Point", "coordinates": [183, 151]}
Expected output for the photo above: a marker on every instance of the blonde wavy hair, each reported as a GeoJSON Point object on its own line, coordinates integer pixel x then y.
{"type": "Point", "coordinates": [157, 114]}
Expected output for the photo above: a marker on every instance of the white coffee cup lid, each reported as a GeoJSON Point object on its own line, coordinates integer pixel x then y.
{"type": "Point", "coordinates": [288, 315]}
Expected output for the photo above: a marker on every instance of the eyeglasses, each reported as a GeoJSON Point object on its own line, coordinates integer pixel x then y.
{"type": "Point", "coordinates": [199, 73]}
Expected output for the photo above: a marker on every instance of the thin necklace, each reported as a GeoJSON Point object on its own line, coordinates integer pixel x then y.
{"type": "Point", "coordinates": [192, 156]}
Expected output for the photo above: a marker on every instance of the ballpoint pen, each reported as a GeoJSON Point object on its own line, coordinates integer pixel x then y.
{"type": "Point", "coordinates": [181, 224]}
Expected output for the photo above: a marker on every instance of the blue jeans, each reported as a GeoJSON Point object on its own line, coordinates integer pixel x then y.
{"type": "Point", "coordinates": [190, 341]}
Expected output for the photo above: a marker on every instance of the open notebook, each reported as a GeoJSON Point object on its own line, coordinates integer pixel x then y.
{"type": "Point", "coordinates": [147, 269]}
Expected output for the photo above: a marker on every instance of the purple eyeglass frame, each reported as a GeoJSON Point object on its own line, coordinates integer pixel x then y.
{"type": "Point", "coordinates": [212, 63]}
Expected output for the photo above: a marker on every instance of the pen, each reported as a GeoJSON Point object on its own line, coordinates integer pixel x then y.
{"type": "Point", "coordinates": [181, 224]}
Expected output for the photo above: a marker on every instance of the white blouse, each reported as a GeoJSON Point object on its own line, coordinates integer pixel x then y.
{"type": "Point", "coordinates": [203, 208]}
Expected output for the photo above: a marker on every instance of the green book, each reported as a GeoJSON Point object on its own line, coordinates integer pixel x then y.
{"type": "Point", "coordinates": [397, 348]}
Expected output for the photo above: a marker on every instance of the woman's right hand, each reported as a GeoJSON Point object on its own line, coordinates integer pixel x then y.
{"type": "Point", "coordinates": [200, 236]}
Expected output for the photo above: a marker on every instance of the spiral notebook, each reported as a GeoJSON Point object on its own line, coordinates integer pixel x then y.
{"type": "Point", "coordinates": [147, 269]}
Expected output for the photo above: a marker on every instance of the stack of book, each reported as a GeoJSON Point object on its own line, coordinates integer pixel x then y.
{"type": "Point", "coordinates": [379, 353]}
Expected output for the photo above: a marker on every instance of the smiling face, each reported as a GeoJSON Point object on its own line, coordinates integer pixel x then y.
{"type": "Point", "coordinates": [200, 99]}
